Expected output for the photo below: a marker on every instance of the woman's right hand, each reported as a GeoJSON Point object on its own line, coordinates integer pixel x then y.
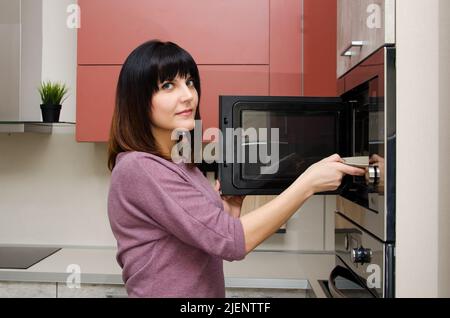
{"type": "Point", "coordinates": [327, 174]}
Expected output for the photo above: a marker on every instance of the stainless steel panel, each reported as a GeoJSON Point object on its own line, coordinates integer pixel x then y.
{"type": "Point", "coordinates": [377, 269]}
{"type": "Point", "coordinates": [372, 221]}
{"type": "Point", "coordinates": [349, 237]}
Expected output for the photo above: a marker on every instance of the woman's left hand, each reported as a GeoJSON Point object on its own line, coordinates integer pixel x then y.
{"type": "Point", "coordinates": [231, 203]}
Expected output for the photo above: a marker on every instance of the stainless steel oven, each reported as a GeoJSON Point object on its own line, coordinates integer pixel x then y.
{"type": "Point", "coordinates": [365, 208]}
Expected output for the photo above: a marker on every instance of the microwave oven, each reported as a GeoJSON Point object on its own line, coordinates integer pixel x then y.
{"type": "Point", "coordinates": [284, 134]}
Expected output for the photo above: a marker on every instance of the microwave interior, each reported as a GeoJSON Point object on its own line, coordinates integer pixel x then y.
{"type": "Point", "coordinates": [287, 134]}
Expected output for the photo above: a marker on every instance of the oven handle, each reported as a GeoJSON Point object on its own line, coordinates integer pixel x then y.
{"type": "Point", "coordinates": [345, 273]}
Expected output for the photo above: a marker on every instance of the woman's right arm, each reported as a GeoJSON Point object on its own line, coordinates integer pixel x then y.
{"type": "Point", "coordinates": [325, 175]}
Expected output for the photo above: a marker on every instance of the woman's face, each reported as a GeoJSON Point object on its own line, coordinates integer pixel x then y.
{"type": "Point", "coordinates": [173, 106]}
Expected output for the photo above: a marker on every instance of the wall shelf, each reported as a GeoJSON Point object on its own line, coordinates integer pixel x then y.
{"type": "Point", "coordinates": [31, 126]}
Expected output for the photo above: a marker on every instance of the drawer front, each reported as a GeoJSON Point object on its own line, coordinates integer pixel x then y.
{"type": "Point", "coordinates": [92, 291]}
{"type": "Point", "coordinates": [363, 27]}
{"type": "Point", "coordinates": [27, 290]}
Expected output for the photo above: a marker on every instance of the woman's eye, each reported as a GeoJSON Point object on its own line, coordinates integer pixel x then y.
{"type": "Point", "coordinates": [190, 82]}
{"type": "Point", "coordinates": [167, 86]}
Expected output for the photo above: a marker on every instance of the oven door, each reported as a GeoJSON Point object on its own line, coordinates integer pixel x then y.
{"type": "Point", "coordinates": [343, 283]}
{"type": "Point", "coordinates": [269, 141]}
{"type": "Point", "coordinates": [370, 259]}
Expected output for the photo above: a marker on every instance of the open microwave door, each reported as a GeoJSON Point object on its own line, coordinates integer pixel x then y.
{"type": "Point", "coordinates": [269, 141]}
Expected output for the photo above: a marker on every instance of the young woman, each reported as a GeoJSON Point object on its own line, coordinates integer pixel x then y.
{"type": "Point", "coordinates": [173, 229]}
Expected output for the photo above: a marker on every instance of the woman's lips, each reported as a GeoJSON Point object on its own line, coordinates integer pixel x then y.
{"type": "Point", "coordinates": [186, 112]}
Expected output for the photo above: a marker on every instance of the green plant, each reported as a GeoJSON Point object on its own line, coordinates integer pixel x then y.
{"type": "Point", "coordinates": [53, 93]}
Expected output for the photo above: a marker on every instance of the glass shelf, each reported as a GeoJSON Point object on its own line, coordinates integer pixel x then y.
{"type": "Point", "coordinates": [31, 126]}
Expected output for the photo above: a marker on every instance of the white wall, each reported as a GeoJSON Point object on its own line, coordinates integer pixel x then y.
{"type": "Point", "coordinates": [423, 149]}
{"type": "Point", "coordinates": [31, 57]}
{"type": "Point", "coordinates": [53, 190]}
{"type": "Point", "coordinates": [59, 51]}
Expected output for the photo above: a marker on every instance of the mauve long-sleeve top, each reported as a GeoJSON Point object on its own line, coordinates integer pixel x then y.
{"type": "Point", "coordinates": [171, 228]}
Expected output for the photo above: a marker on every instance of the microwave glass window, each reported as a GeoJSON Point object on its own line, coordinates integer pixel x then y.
{"type": "Point", "coordinates": [303, 139]}
{"type": "Point", "coordinates": [361, 126]}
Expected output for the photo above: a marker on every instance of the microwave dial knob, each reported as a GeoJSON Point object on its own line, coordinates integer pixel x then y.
{"type": "Point", "coordinates": [361, 255]}
{"type": "Point", "coordinates": [372, 175]}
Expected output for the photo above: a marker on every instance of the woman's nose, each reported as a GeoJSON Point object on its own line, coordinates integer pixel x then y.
{"type": "Point", "coordinates": [186, 93]}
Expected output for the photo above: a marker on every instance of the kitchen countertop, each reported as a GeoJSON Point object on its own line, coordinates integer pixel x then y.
{"type": "Point", "coordinates": [260, 269]}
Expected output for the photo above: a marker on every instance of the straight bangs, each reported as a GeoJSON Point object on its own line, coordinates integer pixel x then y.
{"type": "Point", "coordinates": [173, 61]}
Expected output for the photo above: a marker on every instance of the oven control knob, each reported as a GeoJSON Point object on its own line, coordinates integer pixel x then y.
{"type": "Point", "coordinates": [361, 255]}
{"type": "Point", "coordinates": [372, 175]}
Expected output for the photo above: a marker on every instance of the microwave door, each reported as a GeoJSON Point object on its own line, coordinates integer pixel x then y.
{"type": "Point", "coordinates": [276, 139]}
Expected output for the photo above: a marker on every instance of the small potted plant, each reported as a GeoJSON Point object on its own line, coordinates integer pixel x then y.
{"type": "Point", "coordinates": [52, 97]}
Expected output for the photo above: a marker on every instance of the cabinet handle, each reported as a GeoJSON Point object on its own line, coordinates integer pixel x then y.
{"type": "Point", "coordinates": [348, 51]}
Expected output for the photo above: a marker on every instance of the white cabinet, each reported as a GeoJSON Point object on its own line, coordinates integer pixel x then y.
{"type": "Point", "coordinates": [20, 60]}
{"type": "Point", "coordinates": [363, 27]}
{"type": "Point", "coordinates": [267, 293]}
{"type": "Point", "coordinates": [16, 289]}
{"type": "Point", "coordinates": [9, 59]}
{"type": "Point", "coordinates": [92, 291]}
{"type": "Point", "coordinates": [27, 290]}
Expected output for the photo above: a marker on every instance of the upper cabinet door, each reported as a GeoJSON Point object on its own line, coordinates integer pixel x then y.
{"type": "Point", "coordinates": [229, 80]}
{"type": "Point", "coordinates": [236, 31]}
{"type": "Point", "coordinates": [96, 98]}
{"type": "Point", "coordinates": [364, 26]}
{"type": "Point", "coordinates": [319, 48]}
{"type": "Point", "coordinates": [285, 48]}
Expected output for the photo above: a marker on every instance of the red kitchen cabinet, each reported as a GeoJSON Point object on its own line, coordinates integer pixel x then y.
{"type": "Point", "coordinates": [213, 31]}
{"type": "Point", "coordinates": [96, 88]}
{"type": "Point", "coordinates": [319, 50]}
{"type": "Point", "coordinates": [285, 48]}
{"type": "Point", "coordinates": [229, 80]}
{"type": "Point", "coordinates": [238, 51]}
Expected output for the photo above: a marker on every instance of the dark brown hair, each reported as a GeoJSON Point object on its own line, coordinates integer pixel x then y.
{"type": "Point", "coordinates": [149, 64]}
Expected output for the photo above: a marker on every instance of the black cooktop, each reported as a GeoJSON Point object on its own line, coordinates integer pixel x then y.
{"type": "Point", "coordinates": [23, 257]}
